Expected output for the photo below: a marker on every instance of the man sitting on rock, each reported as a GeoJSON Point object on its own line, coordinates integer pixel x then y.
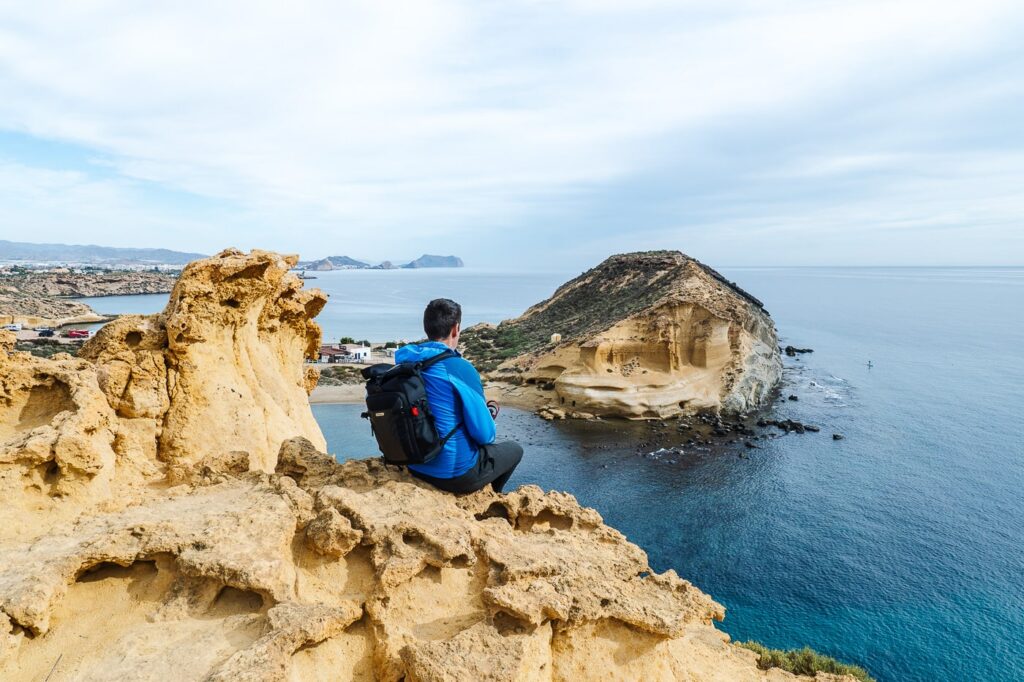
{"type": "Point", "coordinates": [470, 459]}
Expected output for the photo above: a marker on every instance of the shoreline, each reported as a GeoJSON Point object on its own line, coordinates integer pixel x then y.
{"type": "Point", "coordinates": [349, 394]}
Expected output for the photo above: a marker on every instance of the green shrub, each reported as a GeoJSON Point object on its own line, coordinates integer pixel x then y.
{"type": "Point", "coordinates": [804, 661]}
{"type": "Point", "coordinates": [346, 340]}
{"type": "Point", "coordinates": [340, 375]}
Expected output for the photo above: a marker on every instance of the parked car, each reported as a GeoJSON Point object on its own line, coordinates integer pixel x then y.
{"type": "Point", "coordinates": [16, 327]}
{"type": "Point", "coordinates": [44, 332]}
{"type": "Point", "coordinates": [77, 333]}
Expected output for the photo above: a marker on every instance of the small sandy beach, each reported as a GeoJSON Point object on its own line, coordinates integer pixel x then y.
{"type": "Point", "coordinates": [350, 393]}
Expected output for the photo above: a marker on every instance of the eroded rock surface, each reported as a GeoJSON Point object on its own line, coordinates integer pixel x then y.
{"type": "Point", "coordinates": [651, 334]}
{"type": "Point", "coordinates": [169, 513]}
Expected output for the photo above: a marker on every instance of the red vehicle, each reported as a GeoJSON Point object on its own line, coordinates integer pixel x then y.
{"type": "Point", "coordinates": [77, 334]}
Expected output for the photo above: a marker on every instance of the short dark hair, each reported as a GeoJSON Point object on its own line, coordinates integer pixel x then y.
{"type": "Point", "coordinates": [440, 316]}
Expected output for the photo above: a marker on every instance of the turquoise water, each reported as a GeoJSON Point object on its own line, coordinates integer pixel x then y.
{"type": "Point", "coordinates": [900, 548]}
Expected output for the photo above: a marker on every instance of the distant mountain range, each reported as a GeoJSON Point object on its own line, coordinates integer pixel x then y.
{"type": "Point", "coordinates": [91, 254]}
{"type": "Point", "coordinates": [346, 263]}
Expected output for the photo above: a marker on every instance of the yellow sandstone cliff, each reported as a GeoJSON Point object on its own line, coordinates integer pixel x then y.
{"type": "Point", "coordinates": [652, 334]}
{"type": "Point", "coordinates": [169, 513]}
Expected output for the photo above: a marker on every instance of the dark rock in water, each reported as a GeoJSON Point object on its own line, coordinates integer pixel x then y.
{"type": "Point", "coordinates": [794, 398]}
{"type": "Point", "coordinates": [792, 351]}
{"type": "Point", "coordinates": [750, 445]}
{"type": "Point", "coordinates": [787, 425]}
{"type": "Point", "coordinates": [837, 436]}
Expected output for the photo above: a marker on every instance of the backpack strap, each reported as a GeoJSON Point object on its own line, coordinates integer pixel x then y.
{"type": "Point", "coordinates": [450, 434]}
{"type": "Point", "coordinates": [423, 364]}
{"type": "Point", "coordinates": [443, 355]}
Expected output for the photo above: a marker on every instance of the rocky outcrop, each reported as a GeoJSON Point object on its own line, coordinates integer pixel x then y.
{"type": "Point", "coordinates": [40, 298]}
{"type": "Point", "coordinates": [45, 311]}
{"type": "Point", "coordinates": [221, 368]}
{"type": "Point", "coordinates": [429, 261]}
{"type": "Point", "coordinates": [652, 334]}
{"type": "Point", "coordinates": [79, 284]}
{"type": "Point", "coordinates": [169, 513]}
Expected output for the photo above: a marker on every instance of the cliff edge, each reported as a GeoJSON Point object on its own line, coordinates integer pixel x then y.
{"type": "Point", "coordinates": [169, 513]}
{"type": "Point", "coordinates": [652, 334]}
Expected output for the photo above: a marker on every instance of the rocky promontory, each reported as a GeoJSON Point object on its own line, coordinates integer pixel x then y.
{"type": "Point", "coordinates": [42, 298]}
{"type": "Point", "coordinates": [90, 283]}
{"type": "Point", "coordinates": [652, 334]}
{"type": "Point", "coordinates": [170, 513]}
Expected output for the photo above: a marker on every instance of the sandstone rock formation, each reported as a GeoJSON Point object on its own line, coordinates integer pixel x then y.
{"type": "Point", "coordinates": [651, 334]}
{"type": "Point", "coordinates": [169, 513]}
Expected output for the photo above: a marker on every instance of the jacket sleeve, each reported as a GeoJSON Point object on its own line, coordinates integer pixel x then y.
{"type": "Point", "coordinates": [475, 415]}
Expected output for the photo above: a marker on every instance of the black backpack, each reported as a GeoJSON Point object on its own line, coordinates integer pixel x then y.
{"type": "Point", "coordinates": [400, 418]}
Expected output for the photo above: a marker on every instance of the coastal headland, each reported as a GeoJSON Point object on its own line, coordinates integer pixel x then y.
{"type": "Point", "coordinates": [170, 513]}
{"type": "Point", "coordinates": [652, 334]}
{"type": "Point", "coordinates": [43, 298]}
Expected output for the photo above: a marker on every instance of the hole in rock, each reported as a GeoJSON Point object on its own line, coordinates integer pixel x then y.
{"type": "Point", "coordinates": [133, 338]}
{"type": "Point", "coordinates": [412, 538]}
{"type": "Point", "coordinates": [508, 624]}
{"type": "Point", "coordinates": [231, 302]}
{"type": "Point", "coordinates": [253, 271]}
{"type": "Point", "coordinates": [110, 569]}
{"type": "Point", "coordinates": [51, 473]}
{"type": "Point", "coordinates": [461, 561]}
{"type": "Point", "coordinates": [497, 510]}
{"type": "Point", "coordinates": [42, 403]}
{"type": "Point", "coordinates": [231, 600]}
{"type": "Point", "coordinates": [19, 630]}
{"type": "Point", "coordinates": [546, 517]}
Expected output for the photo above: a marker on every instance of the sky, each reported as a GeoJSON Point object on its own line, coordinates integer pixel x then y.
{"type": "Point", "coordinates": [532, 135]}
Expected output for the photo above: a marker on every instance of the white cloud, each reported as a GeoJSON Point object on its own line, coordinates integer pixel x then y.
{"type": "Point", "coordinates": [444, 116]}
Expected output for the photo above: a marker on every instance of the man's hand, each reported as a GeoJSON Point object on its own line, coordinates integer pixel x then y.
{"type": "Point", "coordinates": [492, 407]}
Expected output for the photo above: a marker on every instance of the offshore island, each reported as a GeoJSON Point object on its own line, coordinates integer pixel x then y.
{"type": "Point", "coordinates": [168, 499]}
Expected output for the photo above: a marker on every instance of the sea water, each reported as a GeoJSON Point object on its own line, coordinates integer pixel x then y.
{"type": "Point", "coordinates": [900, 547]}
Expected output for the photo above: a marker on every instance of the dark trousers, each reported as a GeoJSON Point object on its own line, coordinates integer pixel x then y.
{"type": "Point", "coordinates": [494, 464]}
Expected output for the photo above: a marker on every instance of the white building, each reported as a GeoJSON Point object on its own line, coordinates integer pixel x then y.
{"type": "Point", "coordinates": [356, 353]}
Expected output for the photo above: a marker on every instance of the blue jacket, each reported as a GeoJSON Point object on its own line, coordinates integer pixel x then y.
{"type": "Point", "coordinates": [456, 397]}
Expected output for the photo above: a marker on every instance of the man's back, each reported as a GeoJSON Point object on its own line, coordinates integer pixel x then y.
{"type": "Point", "coordinates": [456, 398]}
